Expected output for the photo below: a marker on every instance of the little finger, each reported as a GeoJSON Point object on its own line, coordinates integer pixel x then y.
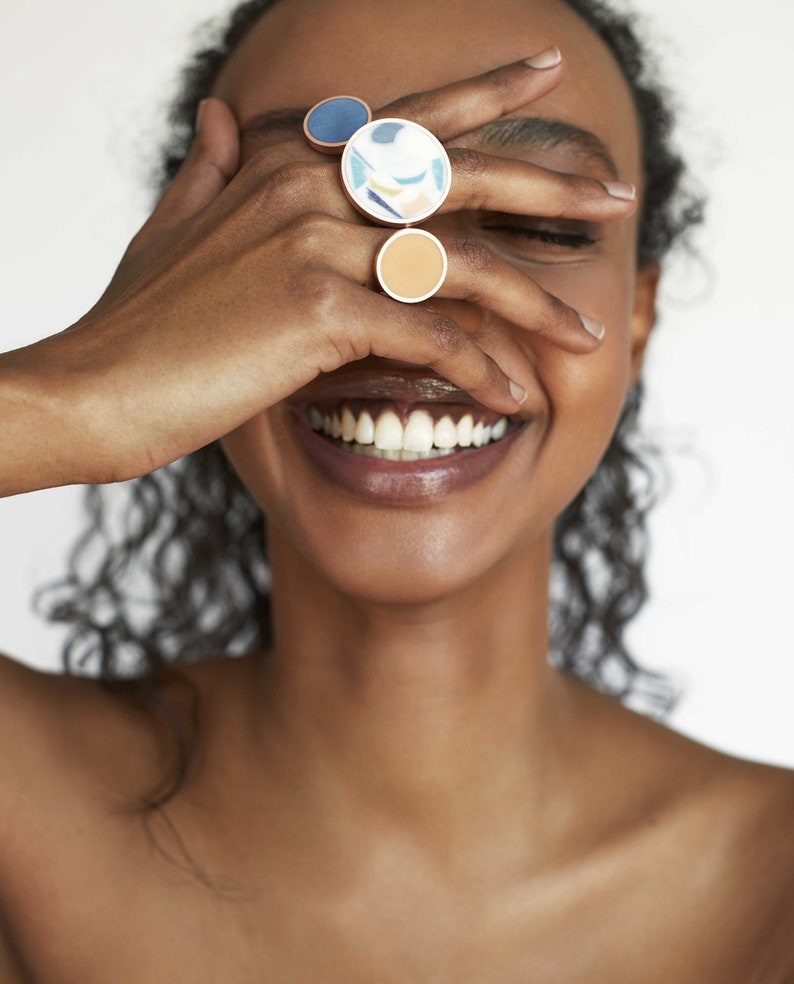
{"type": "Point", "coordinates": [418, 335]}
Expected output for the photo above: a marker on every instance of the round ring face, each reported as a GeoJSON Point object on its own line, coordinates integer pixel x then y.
{"type": "Point", "coordinates": [331, 123]}
{"type": "Point", "coordinates": [396, 172]}
{"type": "Point", "coordinates": [411, 265]}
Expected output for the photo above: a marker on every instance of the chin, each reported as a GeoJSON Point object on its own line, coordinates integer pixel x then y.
{"type": "Point", "coordinates": [397, 560]}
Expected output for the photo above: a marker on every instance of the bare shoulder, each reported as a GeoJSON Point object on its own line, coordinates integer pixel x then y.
{"type": "Point", "coordinates": [748, 805]}
{"type": "Point", "coordinates": [760, 860]}
{"type": "Point", "coordinates": [65, 739]}
{"type": "Point", "coordinates": [730, 828]}
{"type": "Point", "coordinates": [748, 809]}
{"type": "Point", "coordinates": [33, 702]}
{"type": "Point", "coordinates": [54, 725]}
{"type": "Point", "coordinates": [32, 706]}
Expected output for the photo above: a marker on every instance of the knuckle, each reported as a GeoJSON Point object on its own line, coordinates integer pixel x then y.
{"type": "Point", "coordinates": [307, 235]}
{"type": "Point", "coordinates": [491, 374]}
{"type": "Point", "coordinates": [578, 190]}
{"type": "Point", "coordinates": [292, 183]}
{"type": "Point", "coordinates": [319, 292]}
{"type": "Point", "coordinates": [557, 315]}
{"type": "Point", "coordinates": [445, 335]}
{"type": "Point", "coordinates": [476, 258]}
{"type": "Point", "coordinates": [468, 163]}
{"type": "Point", "coordinates": [341, 348]}
{"type": "Point", "coordinates": [499, 81]}
{"type": "Point", "coordinates": [312, 228]}
{"type": "Point", "coordinates": [256, 169]}
{"type": "Point", "coordinates": [416, 104]}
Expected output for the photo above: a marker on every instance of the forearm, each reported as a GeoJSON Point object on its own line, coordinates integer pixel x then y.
{"type": "Point", "coordinates": [45, 434]}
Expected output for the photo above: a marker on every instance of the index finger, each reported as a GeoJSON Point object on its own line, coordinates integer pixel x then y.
{"type": "Point", "coordinates": [460, 107]}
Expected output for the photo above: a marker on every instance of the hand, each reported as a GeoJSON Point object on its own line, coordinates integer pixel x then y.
{"type": "Point", "coordinates": [246, 284]}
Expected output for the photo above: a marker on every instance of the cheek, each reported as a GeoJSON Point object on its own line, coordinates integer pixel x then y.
{"type": "Point", "coordinates": [585, 393]}
{"type": "Point", "coordinates": [253, 451]}
{"type": "Point", "coordinates": [604, 290]}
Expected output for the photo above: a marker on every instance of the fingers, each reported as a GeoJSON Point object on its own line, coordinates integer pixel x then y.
{"type": "Point", "coordinates": [464, 106]}
{"type": "Point", "coordinates": [327, 271]}
{"type": "Point", "coordinates": [449, 112]}
{"type": "Point", "coordinates": [335, 252]}
{"type": "Point", "coordinates": [423, 337]}
{"type": "Point", "coordinates": [211, 163]}
{"type": "Point", "coordinates": [281, 191]}
{"type": "Point", "coordinates": [482, 182]}
{"type": "Point", "coordinates": [476, 274]}
{"type": "Point", "coordinates": [289, 174]}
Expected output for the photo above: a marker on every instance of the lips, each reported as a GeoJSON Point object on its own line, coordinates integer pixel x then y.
{"type": "Point", "coordinates": [400, 436]}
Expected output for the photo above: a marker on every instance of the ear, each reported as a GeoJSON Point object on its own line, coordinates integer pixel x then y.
{"type": "Point", "coordinates": [644, 315]}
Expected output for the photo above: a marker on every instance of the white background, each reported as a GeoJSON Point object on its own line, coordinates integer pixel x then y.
{"type": "Point", "coordinates": [82, 85]}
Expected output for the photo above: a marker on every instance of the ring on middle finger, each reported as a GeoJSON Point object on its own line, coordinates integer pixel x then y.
{"type": "Point", "coordinates": [396, 172]}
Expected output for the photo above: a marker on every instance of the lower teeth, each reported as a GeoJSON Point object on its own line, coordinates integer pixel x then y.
{"type": "Point", "coordinates": [370, 451]}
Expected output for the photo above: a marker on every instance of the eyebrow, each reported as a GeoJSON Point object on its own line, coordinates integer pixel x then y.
{"type": "Point", "coordinates": [505, 134]}
{"type": "Point", "coordinates": [276, 121]}
{"type": "Point", "coordinates": [530, 131]}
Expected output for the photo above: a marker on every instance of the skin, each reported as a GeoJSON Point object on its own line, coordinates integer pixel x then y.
{"type": "Point", "coordinates": [403, 789]}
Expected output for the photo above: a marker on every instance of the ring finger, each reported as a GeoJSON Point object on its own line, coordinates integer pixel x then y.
{"type": "Point", "coordinates": [475, 274]}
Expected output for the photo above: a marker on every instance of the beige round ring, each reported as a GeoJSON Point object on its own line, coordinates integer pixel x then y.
{"type": "Point", "coordinates": [411, 265]}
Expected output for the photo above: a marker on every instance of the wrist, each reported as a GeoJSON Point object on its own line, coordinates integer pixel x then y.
{"type": "Point", "coordinates": [49, 433]}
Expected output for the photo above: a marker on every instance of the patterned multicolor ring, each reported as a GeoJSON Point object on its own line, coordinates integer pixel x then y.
{"type": "Point", "coordinates": [396, 172]}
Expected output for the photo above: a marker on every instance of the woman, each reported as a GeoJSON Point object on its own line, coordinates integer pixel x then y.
{"type": "Point", "coordinates": [403, 788]}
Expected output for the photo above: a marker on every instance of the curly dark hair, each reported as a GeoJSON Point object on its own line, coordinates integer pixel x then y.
{"type": "Point", "coordinates": [173, 566]}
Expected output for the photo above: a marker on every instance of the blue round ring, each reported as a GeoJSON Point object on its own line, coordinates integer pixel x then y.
{"type": "Point", "coordinates": [331, 123]}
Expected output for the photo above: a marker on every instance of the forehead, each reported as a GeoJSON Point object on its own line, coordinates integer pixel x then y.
{"type": "Point", "coordinates": [303, 51]}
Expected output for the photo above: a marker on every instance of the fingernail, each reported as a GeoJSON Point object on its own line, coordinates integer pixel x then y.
{"type": "Point", "coordinates": [199, 114]}
{"type": "Point", "coordinates": [545, 59]}
{"type": "Point", "coordinates": [518, 393]}
{"type": "Point", "coordinates": [621, 189]}
{"type": "Point", "coordinates": [596, 329]}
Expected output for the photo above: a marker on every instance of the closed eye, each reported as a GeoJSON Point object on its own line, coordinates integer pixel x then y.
{"type": "Point", "coordinates": [570, 240]}
{"type": "Point", "coordinates": [546, 235]}
{"type": "Point", "coordinates": [538, 240]}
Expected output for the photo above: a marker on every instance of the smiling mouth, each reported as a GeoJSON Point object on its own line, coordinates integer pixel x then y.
{"type": "Point", "coordinates": [397, 434]}
{"type": "Point", "coordinates": [396, 431]}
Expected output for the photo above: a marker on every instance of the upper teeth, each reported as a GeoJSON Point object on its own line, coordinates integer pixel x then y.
{"type": "Point", "coordinates": [419, 434]}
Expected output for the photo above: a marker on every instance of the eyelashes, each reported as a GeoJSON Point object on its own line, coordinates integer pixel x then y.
{"type": "Point", "coordinates": [567, 240]}
{"type": "Point", "coordinates": [540, 237]}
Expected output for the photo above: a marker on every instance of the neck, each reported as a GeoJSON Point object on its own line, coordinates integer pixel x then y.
{"type": "Point", "coordinates": [442, 719]}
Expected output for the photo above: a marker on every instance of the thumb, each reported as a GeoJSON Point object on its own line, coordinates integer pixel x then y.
{"type": "Point", "coordinates": [211, 163]}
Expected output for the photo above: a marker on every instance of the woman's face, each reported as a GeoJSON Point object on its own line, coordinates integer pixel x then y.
{"type": "Point", "coordinates": [303, 51]}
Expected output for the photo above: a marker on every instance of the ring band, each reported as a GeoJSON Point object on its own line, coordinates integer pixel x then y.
{"type": "Point", "coordinates": [411, 265]}
{"type": "Point", "coordinates": [331, 123]}
{"type": "Point", "coordinates": [396, 172]}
